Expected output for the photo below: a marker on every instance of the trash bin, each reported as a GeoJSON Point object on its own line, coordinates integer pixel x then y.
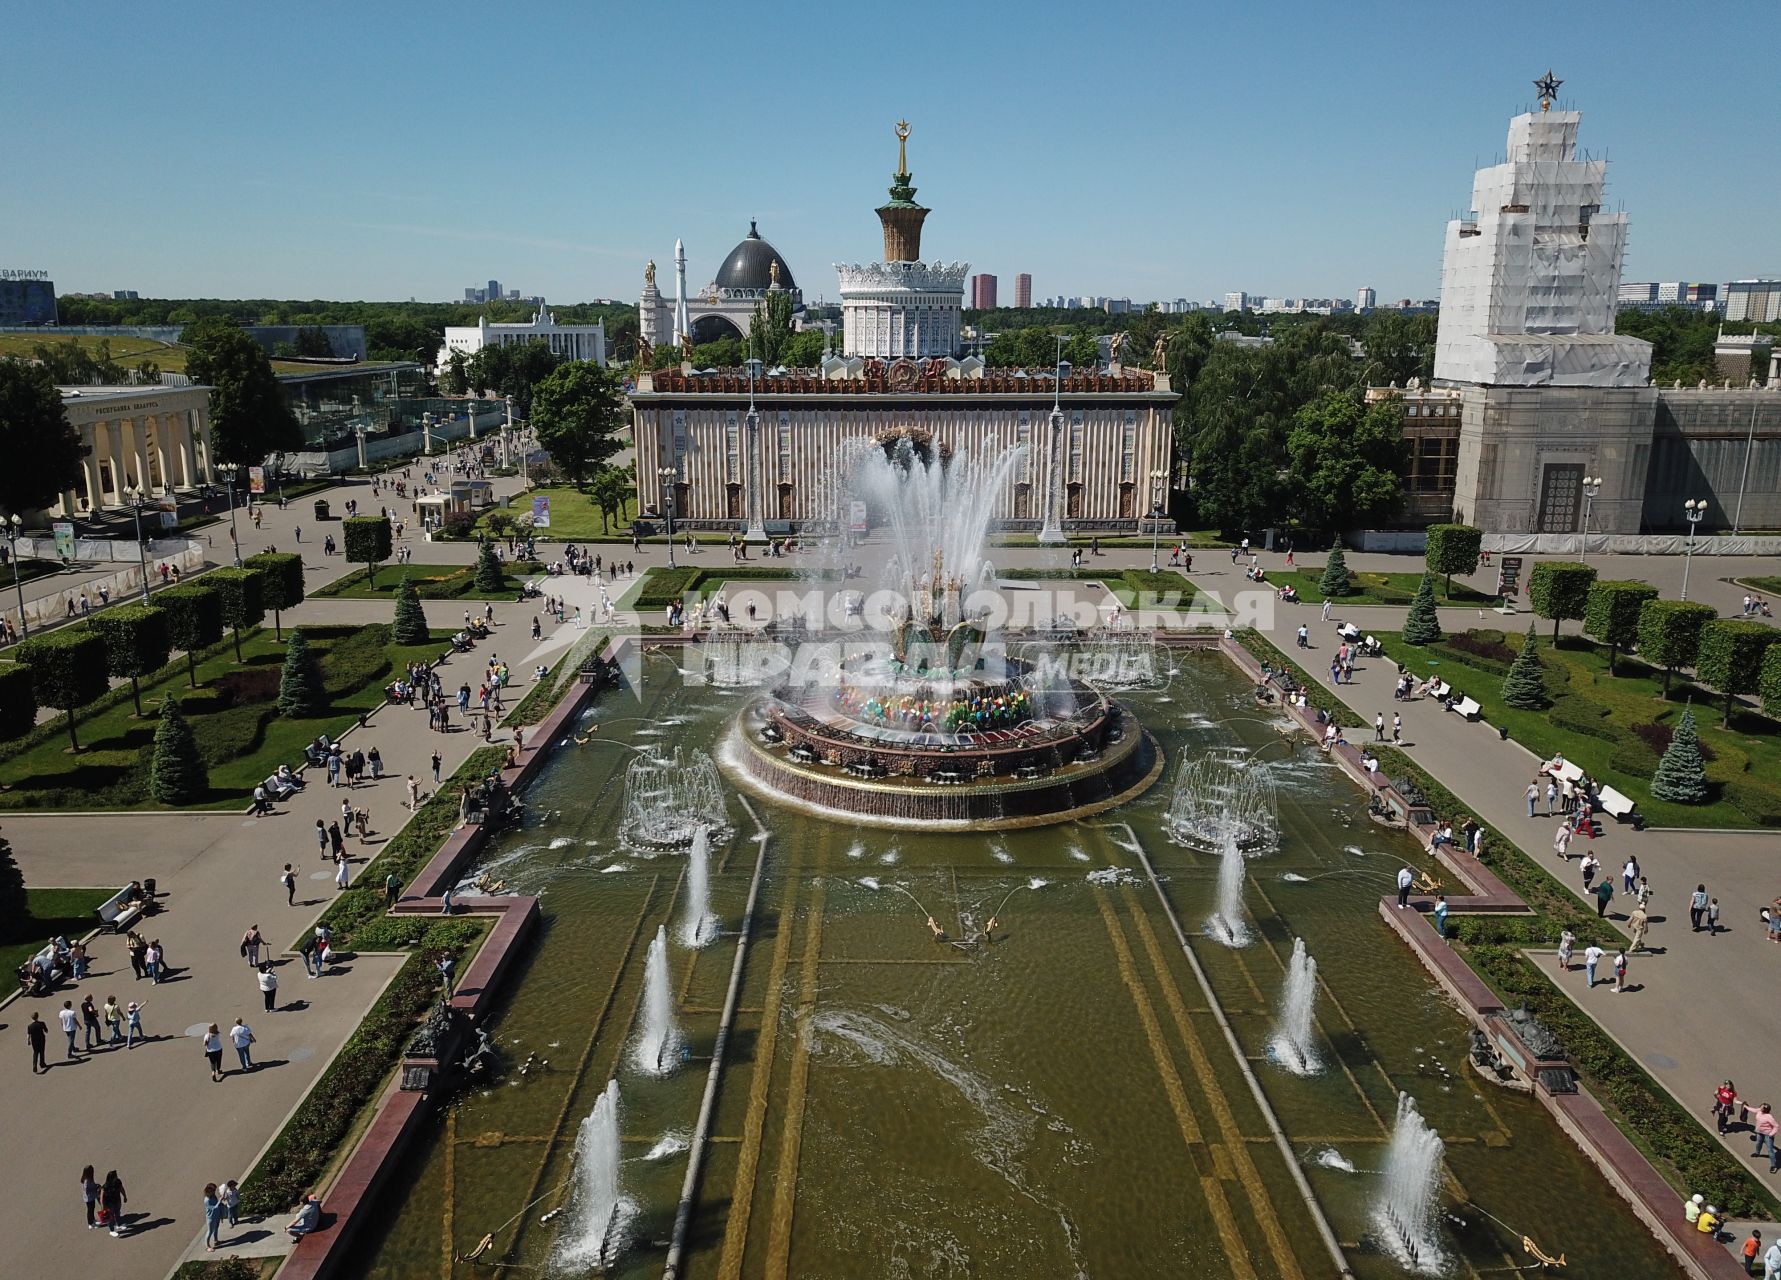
{"type": "Point", "coordinates": [321, 509]}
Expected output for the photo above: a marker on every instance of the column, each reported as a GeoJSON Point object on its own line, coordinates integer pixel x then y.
{"type": "Point", "coordinates": [206, 449]}
{"type": "Point", "coordinates": [188, 462]}
{"type": "Point", "coordinates": [139, 451]}
{"type": "Point", "coordinates": [163, 450]}
{"type": "Point", "coordinates": [89, 464]}
{"type": "Point", "coordinates": [114, 454]}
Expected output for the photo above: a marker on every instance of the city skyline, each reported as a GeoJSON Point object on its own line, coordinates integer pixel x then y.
{"type": "Point", "coordinates": [1254, 167]}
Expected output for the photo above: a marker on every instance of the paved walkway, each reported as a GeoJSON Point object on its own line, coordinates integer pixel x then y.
{"type": "Point", "coordinates": [152, 1112]}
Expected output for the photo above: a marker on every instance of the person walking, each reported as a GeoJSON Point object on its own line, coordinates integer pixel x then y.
{"type": "Point", "coordinates": [414, 790]}
{"type": "Point", "coordinates": [1397, 728]}
{"type": "Point", "coordinates": [341, 872]}
{"type": "Point", "coordinates": [1725, 1097]}
{"type": "Point", "coordinates": [114, 1019]}
{"type": "Point", "coordinates": [392, 890]}
{"type": "Point", "coordinates": [1697, 907]}
{"type": "Point", "coordinates": [1551, 795]}
{"type": "Point", "coordinates": [1712, 916]}
{"type": "Point", "coordinates": [133, 1026]}
{"type": "Point", "coordinates": [1629, 875]}
{"type": "Point", "coordinates": [213, 1216]}
{"type": "Point", "coordinates": [1379, 726]}
{"type": "Point", "coordinates": [89, 1192]}
{"type": "Point", "coordinates": [70, 1024]}
{"type": "Point", "coordinates": [1405, 880]}
{"type": "Point", "coordinates": [1752, 1249]}
{"type": "Point", "coordinates": [1644, 891]}
{"type": "Point", "coordinates": [1567, 943]}
{"type": "Point", "coordinates": [251, 942]}
{"type": "Point", "coordinates": [436, 764]}
{"type": "Point", "coordinates": [446, 902]}
{"type": "Point", "coordinates": [1441, 916]}
{"type": "Point", "coordinates": [89, 1018]}
{"type": "Point", "coordinates": [112, 1199]}
{"type": "Point", "coordinates": [1589, 867]}
{"type": "Point", "coordinates": [1604, 894]}
{"type": "Point", "coordinates": [213, 1050]}
{"type": "Point", "coordinates": [268, 982]}
{"type": "Point", "coordinates": [1533, 796]}
{"type": "Point", "coordinates": [336, 841]}
{"type": "Point", "coordinates": [230, 1194]}
{"type": "Point", "coordinates": [447, 966]}
{"type": "Point", "coordinates": [1620, 971]}
{"type": "Point", "coordinates": [321, 837]}
{"type": "Point", "coordinates": [288, 879]}
{"type": "Point", "coordinates": [1592, 956]}
{"type": "Point", "coordinates": [242, 1037]}
{"type": "Point", "coordinates": [1764, 1126]}
{"type": "Point", "coordinates": [310, 961]}
{"type": "Point", "coordinates": [38, 1036]}
{"type": "Point", "coordinates": [1561, 843]}
{"type": "Point", "coordinates": [1771, 1258]}
{"type": "Point", "coordinates": [138, 949]}
{"type": "Point", "coordinates": [1638, 924]}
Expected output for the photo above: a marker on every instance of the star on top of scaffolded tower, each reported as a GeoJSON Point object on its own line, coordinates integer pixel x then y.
{"type": "Point", "coordinates": [1547, 87]}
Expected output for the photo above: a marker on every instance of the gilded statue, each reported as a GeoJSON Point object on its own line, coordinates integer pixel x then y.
{"type": "Point", "coordinates": [1159, 354]}
{"type": "Point", "coordinates": [649, 273]}
{"type": "Point", "coordinates": [1115, 348]}
{"type": "Point", "coordinates": [773, 273]}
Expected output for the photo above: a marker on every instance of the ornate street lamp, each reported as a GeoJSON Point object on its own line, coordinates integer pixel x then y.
{"type": "Point", "coordinates": [138, 501]}
{"type": "Point", "coordinates": [668, 475]}
{"type": "Point", "coordinates": [1592, 485]}
{"type": "Point", "coordinates": [1692, 511]}
{"type": "Point", "coordinates": [1156, 483]}
{"type": "Point", "coordinates": [12, 537]}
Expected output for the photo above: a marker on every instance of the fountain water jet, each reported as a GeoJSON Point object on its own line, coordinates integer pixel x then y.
{"type": "Point", "coordinates": [659, 1038]}
{"type": "Point", "coordinates": [1405, 1212]}
{"type": "Point", "coordinates": [1227, 924]}
{"type": "Point", "coordinates": [601, 1213]}
{"type": "Point", "coordinates": [669, 799]}
{"type": "Point", "coordinates": [1216, 803]}
{"type": "Point", "coordinates": [1294, 1045]}
{"type": "Point", "coordinates": [699, 926]}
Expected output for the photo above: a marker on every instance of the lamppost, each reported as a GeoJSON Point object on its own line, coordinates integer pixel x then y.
{"type": "Point", "coordinates": [1051, 528]}
{"type": "Point", "coordinates": [1692, 511]}
{"type": "Point", "coordinates": [12, 537]}
{"type": "Point", "coordinates": [756, 531]}
{"type": "Point", "coordinates": [668, 475]}
{"type": "Point", "coordinates": [1592, 485]}
{"type": "Point", "coordinates": [229, 469]}
{"type": "Point", "coordinates": [1156, 483]}
{"type": "Point", "coordinates": [139, 500]}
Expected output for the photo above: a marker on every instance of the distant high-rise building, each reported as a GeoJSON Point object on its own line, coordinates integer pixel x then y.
{"type": "Point", "coordinates": [1365, 298]}
{"type": "Point", "coordinates": [983, 292]}
{"type": "Point", "coordinates": [1236, 301]}
{"type": "Point", "coordinates": [1023, 290]}
{"type": "Point", "coordinates": [1757, 300]}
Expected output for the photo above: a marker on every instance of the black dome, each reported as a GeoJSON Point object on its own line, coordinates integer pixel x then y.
{"type": "Point", "coordinates": [749, 265]}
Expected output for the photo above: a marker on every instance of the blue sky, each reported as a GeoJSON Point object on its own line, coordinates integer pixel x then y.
{"type": "Point", "coordinates": [377, 150]}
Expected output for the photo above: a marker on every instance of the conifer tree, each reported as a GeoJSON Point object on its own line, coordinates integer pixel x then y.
{"type": "Point", "coordinates": [177, 773]}
{"type": "Point", "coordinates": [411, 621]}
{"type": "Point", "coordinates": [1334, 582]}
{"type": "Point", "coordinates": [1421, 624]}
{"type": "Point", "coordinates": [300, 691]}
{"type": "Point", "coordinates": [489, 577]}
{"type": "Point", "coordinates": [1681, 775]}
{"type": "Point", "coordinates": [1524, 688]}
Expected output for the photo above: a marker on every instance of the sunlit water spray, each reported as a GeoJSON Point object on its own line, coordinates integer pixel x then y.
{"type": "Point", "coordinates": [659, 1038]}
{"type": "Point", "coordinates": [699, 926]}
{"type": "Point", "coordinates": [1405, 1212]}
{"type": "Point", "coordinates": [600, 1216]}
{"type": "Point", "coordinates": [1294, 1044]}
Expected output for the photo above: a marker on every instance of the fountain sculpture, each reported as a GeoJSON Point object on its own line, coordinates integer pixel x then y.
{"type": "Point", "coordinates": [1216, 803]}
{"type": "Point", "coordinates": [1405, 1213]}
{"type": "Point", "coordinates": [659, 1039]}
{"type": "Point", "coordinates": [698, 926]}
{"type": "Point", "coordinates": [669, 799]}
{"type": "Point", "coordinates": [599, 1212]}
{"type": "Point", "coordinates": [928, 720]}
{"type": "Point", "coordinates": [1294, 1045]}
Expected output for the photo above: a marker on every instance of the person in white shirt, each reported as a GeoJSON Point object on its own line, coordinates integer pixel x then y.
{"type": "Point", "coordinates": [1592, 956]}
{"type": "Point", "coordinates": [70, 1024]}
{"type": "Point", "coordinates": [1405, 880]}
{"type": "Point", "coordinates": [241, 1036]}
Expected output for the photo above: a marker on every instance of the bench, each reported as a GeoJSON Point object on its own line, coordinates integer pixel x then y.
{"type": "Point", "coordinates": [1440, 689]}
{"type": "Point", "coordinates": [1612, 802]}
{"type": "Point", "coordinates": [117, 914]}
{"type": "Point", "coordinates": [1468, 708]}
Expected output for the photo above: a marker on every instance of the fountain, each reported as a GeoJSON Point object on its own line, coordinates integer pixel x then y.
{"type": "Point", "coordinates": [1121, 658]}
{"type": "Point", "coordinates": [1227, 924]}
{"type": "Point", "coordinates": [1216, 803]}
{"type": "Point", "coordinates": [738, 658]}
{"type": "Point", "coordinates": [699, 926]}
{"type": "Point", "coordinates": [1405, 1213]}
{"type": "Point", "coordinates": [669, 799]}
{"type": "Point", "coordinates": [659, 1038]}
{"type": "Point", "coordinates": [1294, 1046]}
{"type": "Point", "coordinates": [931, 721]}
{"type": "Point", "coordinates": [600, 1213]}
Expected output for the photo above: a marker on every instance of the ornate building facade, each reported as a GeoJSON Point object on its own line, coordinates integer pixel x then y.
{"type": "Point", "coordinates": [725, 307]}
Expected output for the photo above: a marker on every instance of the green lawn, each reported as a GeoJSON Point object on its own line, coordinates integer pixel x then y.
{"type": "Point", "coordinates": [1762, 586]}
{"type": "Point", "coordinates": [1604, 724]}
{"type": "Point", "coordinates": [573, 516]}
{"type": "Point", "coordinates": [1375, 588]}
{"type": "Point", "coordinates": [233, 715]}
{"type": "Point", "coordinates": [127, 350]}
{"type": "Point", "coordinates": [431, 581]}
{"type": "Point", "coordinates": [50, 912]}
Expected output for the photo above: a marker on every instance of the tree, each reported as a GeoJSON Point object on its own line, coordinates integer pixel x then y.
{"type": "Point", "coordinates": [1611, 614]}
{"type": "Point", "coordinates": [1524, 688]}
{"type": "Point", "coordinates": [410, 625]}
{"type": "Point", "coordinates": [805, 349]}
{"type": "Point", "coordinates": [1334, 582]}
{"type": "Point", "coordinates": [489, 576]}
{"type": "Point", "coordinates": [243, 601]}
{"type": "Point", "coordinates": [1559, 589]}
{"type": "Point", "coordinates": [771, 328]}
{"type": "Point", "coordinates": [1345, 462]}
{"type": "Point", "coordinates": [1769, 680]}
{"type": "Point", "coordinates": [455, 379]}
{"type": "Point", "coordinates": [611, 492]}
{"type": "Point", "coordinates": [282, 586]}
{"type": "Point", "coordinates": [249, 416]}
{"type": "Point", "coordinates": [514, 369]}
{"type": "Point", "coordinates": [500, 523]}
{"type": "Point", "coordinates": [18, 702]}
{"type": "Point", "coordinates": [42, 450]}
{"type": "Point", "coordinates": [312, 342]}
{"type": "Point", "coordinates": [300, 691]}
{"type": "Point", "coordinates": [15, 917]}
{"type": "Point", "coordinates": [1731, 657]}
{"type": "Point", "coordinates": [136, 643]}
{"type": "Point", "coordinates": [1422, 625]}
{"type": "Point", "coordinates": [67, 670]}
{"type": "Point", "coordinates": [367, 541]}
{"type": "Point", "coordinates": [176, 771]}
{"type": "Point", "coordinates": [1402, 346]}
{"type": "Point", "coordinates": [1453, 548]}
{"type": "Point", "coordinates": [575, 412]}
{"type": "Point", "coordinates": [1681, 775]}
{"type": "Point", "coordinates": [1669, 633]}
{"type": "Point", "coordinates": [194, 620]}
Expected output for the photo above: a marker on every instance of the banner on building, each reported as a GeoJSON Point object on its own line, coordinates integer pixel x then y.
{"type": "Point", "coordinates": [256, 479]}
{"type": "Point", "coordinates": [64, 532]}
{"type": "Point", "coordinates": [541, 512]}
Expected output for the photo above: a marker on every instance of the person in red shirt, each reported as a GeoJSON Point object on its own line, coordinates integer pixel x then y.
{"type": "Point", "coordinates": [1725, 1097]}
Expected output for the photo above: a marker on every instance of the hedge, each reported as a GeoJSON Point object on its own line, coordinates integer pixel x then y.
{"type": "Point", "coordinates": [664, 587]}
{"type": "Point", "coordinates": [1671, 1131]}
{"type": "Point", "coordinates": [356, 660]}
{"type": "Point", "coordinates": [18, 701]}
